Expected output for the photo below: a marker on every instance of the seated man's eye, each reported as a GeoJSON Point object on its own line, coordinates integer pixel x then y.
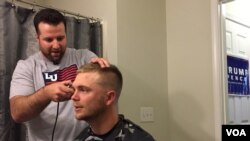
{"type": "Point", "coordinates": [84, 89]}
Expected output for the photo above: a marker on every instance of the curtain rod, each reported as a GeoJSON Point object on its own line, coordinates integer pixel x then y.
{"type": "Point", "coordinates": [63, 11]}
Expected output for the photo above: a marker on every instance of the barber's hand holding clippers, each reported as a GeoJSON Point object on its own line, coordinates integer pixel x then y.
{"type": "Point", "coordinates": [59, 91]}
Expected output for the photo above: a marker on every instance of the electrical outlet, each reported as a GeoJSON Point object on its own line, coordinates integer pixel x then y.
{"type": "Point", "coordinates": [147, 114]}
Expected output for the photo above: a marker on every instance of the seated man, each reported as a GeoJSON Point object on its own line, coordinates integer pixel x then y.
{"type": "Point", "coordinates": [95, 99]}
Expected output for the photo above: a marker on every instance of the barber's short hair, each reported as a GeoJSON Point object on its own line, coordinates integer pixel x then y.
{"type": "Point", "coordinates": [110, 76]}
{"type": "Point", "coordinates": [50, 16]}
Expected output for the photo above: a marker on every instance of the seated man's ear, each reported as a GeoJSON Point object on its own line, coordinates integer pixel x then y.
{"type": "Point", "coordinates": [110, 97]}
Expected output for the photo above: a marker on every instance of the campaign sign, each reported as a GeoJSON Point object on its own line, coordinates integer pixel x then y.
{"type": "Point", "coordinates": [238, 76]}
{"type": "Point", "coordinates": [235, 132]}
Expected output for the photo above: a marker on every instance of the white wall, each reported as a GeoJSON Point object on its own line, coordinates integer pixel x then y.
{"type": "Point", "coordinates": [190, 75]}
{"type": "Point", "coordinates": [164, 50]}
{"type": "Point", "coordinates": [142, 58]}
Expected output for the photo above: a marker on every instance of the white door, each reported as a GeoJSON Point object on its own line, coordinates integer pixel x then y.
{"type": "Point", "coordinates": [238, 45]}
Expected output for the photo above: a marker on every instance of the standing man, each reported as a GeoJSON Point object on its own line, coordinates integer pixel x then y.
{"type": "Point", "coordinates": [95, 99]}
{"type": "Point", "coordinates": [41, 82]}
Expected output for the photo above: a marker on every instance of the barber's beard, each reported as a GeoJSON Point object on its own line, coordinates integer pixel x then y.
{"type": "Point", "coordinates": [56, 62]}
{"type": "Point", "coordinates": [56, 59]}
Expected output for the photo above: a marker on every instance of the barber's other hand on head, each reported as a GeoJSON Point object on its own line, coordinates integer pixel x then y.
{"type": "Point", "coordinates": [59, 91]}
{"type": "Point", "coordinates": [101, 61]}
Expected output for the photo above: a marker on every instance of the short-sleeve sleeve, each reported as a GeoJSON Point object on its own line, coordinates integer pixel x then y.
{"type": "Point", "coordinates": [22, 79]}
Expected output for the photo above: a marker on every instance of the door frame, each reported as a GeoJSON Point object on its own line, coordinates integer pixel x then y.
{"type": "Point", "coordinates": [218, 60]}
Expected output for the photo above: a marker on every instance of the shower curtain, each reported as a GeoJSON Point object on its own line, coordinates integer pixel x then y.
{"type": "Point", "coordinates": [17, 41]}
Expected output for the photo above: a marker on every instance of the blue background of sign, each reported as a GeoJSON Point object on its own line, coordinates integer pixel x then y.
{"type": "Point", "coordinates": [237, 83]}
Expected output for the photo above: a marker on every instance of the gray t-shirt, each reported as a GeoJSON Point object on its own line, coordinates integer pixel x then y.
{"type": "Point", "coordinates": [37, 71]}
